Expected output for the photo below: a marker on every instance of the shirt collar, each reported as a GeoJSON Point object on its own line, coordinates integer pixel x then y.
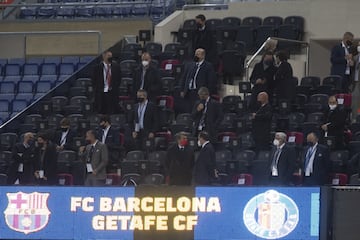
{"type": "Point", "coordinates": [201, 62]}
{"type": "Point", "coordinates": [144, 104]}
{"type": "Point", "coordinates": [205, 144]}
{"type": "Point", "coordinates": [282, 146]}
{"type": "Point", "coordinates": [107, 128]}
{"type": "Point", "coordinates": [343, 44]}
{"type": "Point", "coordinates": [105, 64]}
{"type": "Point", "coordinates": [93, 145]}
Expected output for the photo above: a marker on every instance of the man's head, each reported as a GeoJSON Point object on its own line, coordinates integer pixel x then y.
{"type": "Point", "coordinates": [90, 136]}
{"type": "Point", "coordinates": [145, 59]}
{"type": "Point", "coordinates": [141, 96]}
{"type": "Point", "coordinates": [200, 20]}
{"type": "Point", "coordinates": [332, 102]}
{"type": "Point", "coordinates": [282, 56]}
{"type": "Point", "coordinates": [268, 58]}
{"type": "Point", "coordinates": [105, 121]}
{"type": "Point", "coordinates": [107, 57]}
{"type": "Point", "coordinates": [312, 139]}
{"type": "Point", "coordinates": [199, 55]}
{"type": "Point", "coordinates": [28, 138]}
{"type": "Point", "coordinates": [42, 139]}
{"type": "Point", "coordinates": [203, 93]}
{"type": "Point", "coordinates": [348, 38]}
{"type": "Point", "coordinates": [203, 137]}
{"type": "Point", "coordinates": [181, 139]}
{"type": "Point", "coordinates": [280, 139]}
{"type": "Point", "coordinates": [263, 98]}
{"type": "Point", "coordinates": [65, 124]}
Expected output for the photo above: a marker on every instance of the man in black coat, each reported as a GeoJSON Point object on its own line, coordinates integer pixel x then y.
{"type": "Point", "coordinates": [282, 161]}
{"type": "Point", "coordinates": [64, 138]}
{"type": "Point", "coordinates": [207, 114]}
{"type": "Point", "coordinates": [315, 162]}
{"type": "Point", "coordinates": [106, 81]}
{"type": "Point", "coordinates": [334, 122]}
{"type": "Point", "coordinates": [180, 161]}
{"type": "Point", "coordinates": [197, 74]}
{"type": "Point", "coordinates": [205, 165]}
{"type": "Point", "coordinates": [145, 119]}
{"type": "Point", "coordinates": [147, 77]}
{"type": "Point", "coordinates": [283, 84]}
{"type": "Point", "coordinates": [262, 78]}
{"type": "Point", "coordinates": [204, 38]}
{"type": "Point", "coordinates": [22, 166]}
{"type": "Point", "coordinates": [261, 123]}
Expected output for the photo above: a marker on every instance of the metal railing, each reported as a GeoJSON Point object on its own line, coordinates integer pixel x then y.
{"type": "Point", "coordinates": [205, 6]}
{"type": "Point", "coordinates": [268, 41]}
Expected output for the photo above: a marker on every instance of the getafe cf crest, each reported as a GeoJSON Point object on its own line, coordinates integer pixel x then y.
{"type": "Point", "coordinates": [271, 215]}
{"type": "Point", "coordinates": [27, 213]}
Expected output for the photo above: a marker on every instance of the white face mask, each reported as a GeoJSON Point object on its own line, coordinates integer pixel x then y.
{"type": "Point", "coordinates": [145, 63]}
{"type": "Point", "coordinates": [332, 107]}
{"type": "Point", "coordinates": [276, 142]}
{"type": "Point", "coordinates": [199, 143]}
{"type": "Point", "coordinates": [358, 49]}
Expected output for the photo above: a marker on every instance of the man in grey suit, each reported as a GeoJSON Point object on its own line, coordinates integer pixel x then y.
{"type": "Point", "coordinates": [95, 156]}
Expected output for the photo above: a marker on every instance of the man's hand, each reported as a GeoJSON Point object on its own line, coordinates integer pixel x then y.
{"type": "Point", "coordinates": [59, 148]}
{"type": "Point", "coordinates": [82, 149]}
{"type": "Point", "coordinates": [182, 94]}
{"type": "Point", "coordinates": [200, 107]}
{"type": "Point", "coordinates": [253, 115]}
{"type": "Point", "coordinates": [94, 172]}
{"type": "Point", "coordinates": [259, 81]}
{"type": "Point", "coordinates": [216, 173]}
{"type": "Point", "coordinates": [134, 134]}
{"type": "Point", "coordinates": [324, 127]}
{"type": "Point", "coordinates": [151, 135]}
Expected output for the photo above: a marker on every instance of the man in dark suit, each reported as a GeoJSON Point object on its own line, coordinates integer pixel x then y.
{"type": "Point", "coordinates": [64, 138]}
{"type": "Point", "coordinates": [283, 85]}
{"type": "Point", "coordinates": [45, 163]}
{"type": "Point", "coordinates": [262, 78]}
{"type": "Point", "coordinates": [204, 38]}
{"type": "Point", "coordinates": [147, 77]}
{"type": "Point", "coordinates": [106, 80]}
{"type": "Point", "coordinates": [333, 124]}
{"type": "Point", "coordinates": [315, 162]}
{"type": "Point", "coordinates": [205, 165]}
{"type": "Point", "coordinates": [145, 119]}
{"type": "Point", "coordinates": [22, 165]}
{"type": "Point", "coordinates": [261, 123]}
{"type": "Point", "coordinates": [180, 161]}
{"type": "Point", "coordinates": [95, 156]}
{"type": "Point", "coordinates": [207, 114]}
{"type": "Point", "coordinates": [283, 159]}
{"type": "Point", "coordinates": [197, 74]}
{"type": "Point", "coordinates": [342, 60]}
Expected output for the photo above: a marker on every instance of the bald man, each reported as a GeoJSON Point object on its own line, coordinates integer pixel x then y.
{"type": "Point", "coordinates": [262, 123]}
{"type": "Point", "coordinates": [147, 77]}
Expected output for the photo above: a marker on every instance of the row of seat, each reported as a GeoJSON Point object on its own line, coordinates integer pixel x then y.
{"type": "Point", "coordinates": [43, 69]}
{"type": "Point", "coordinates": [50, 59]}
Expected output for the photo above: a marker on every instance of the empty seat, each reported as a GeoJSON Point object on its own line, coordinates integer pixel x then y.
{"type": "Point", "coordinates": [70, 59]}
{"type": "Point", "coordinates": [54, 59]}
{"type": "Point", "coordinates": [12, 70]}
{"type": "Point", "coordinates": [251, 21]}
{"type": "Point", "coordinates": [19, 105]}
{"type": "Point", "coordinates": [273, 21]}
{"type": "Point", "coordinates": [31, 69]}
{"type": "Point", "coordinates": [48, 69]}
{"type": "Point", "coordinates": [8, 140]}
{"type": "Point", "coordinates": [135, 155]}
{"type": "Point", "coordinates": [4, 106]}
{"type": "Point", "coordinates": [25, 87]}
{"type": "Point", "coordinates": [66, 69]}
{"type": "Point", "coordinates": [231, 21]}
{"type": "Point", "coordinates": [31, 78]}
{"type": "Point", "coordinates": [43, 87]}
{"type": "Point", "coordinates": [28, 12]}
{"type": "Point", "coordinates": [334, 81]}
{"type": "Point", "coordinates": [245, 34]}
{"type": "Point", "coordinates": [65, 12]}
{"type": "Point", "coordinates": [85, 12]}
{"type": "Point", "coordinates": [297, 21]}
{"type": "Point", "coordinates": [189, 24]}
{"type": "Point", "coordinates": [262, 33]}
{"type": "Point", "coordinates": [46, 12]}
{"type": "Point", "coordinates": [310, 81]}
{"type": "Point", "coordinates": [35, 60]}
{"type": "Point", "coordinates": [7, 87]}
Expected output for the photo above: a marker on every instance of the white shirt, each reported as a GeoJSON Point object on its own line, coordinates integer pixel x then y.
{"type": "Point", "coordinates": [193, 82]}
{"type": "Point", "coordinates": [310, 166]}
{"type": "Point", "coordinates": [105, 132]}
{"type": "Point", "coordinates": [347, 70]}
{"type": "Point", "coordinates": [63, 138]}
{"type": "Point", "coordinates": [106, 85]}
{"type": "Point", "coordinates": [141, 113]}
{"type": "Point", "coordinates": [202, 146]}
{"type": "Point", "coordinates": [274, 170]}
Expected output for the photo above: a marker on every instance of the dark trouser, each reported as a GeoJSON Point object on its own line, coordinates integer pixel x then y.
{"type": "Point", "coordinates": [93, 181]}
{"type": "Point", "coordinates": [108, 105]}
{"type": "Point", "coordinates": [191, 97]}
{"type": "Point", "coordinates": [346, 83]}
{"type": "Point", "coordinates": [142, 136]}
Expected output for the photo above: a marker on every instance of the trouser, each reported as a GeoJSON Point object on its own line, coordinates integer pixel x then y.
{"type": "Point", "coordinates": [346, 83]}
{"type": "Point", "coordinates": [93, 181]}
{"type": "Point", "coordinates": [355, 99]}
{"type": "Point", "coordinates": [191, 97]}
{"type": "Point", "coordinates": [108, 105]}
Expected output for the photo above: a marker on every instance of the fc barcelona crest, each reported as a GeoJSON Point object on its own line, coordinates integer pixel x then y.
{"type": "Point", "coordinates": [27, 212]}
{"type": "Point", "coordinates": [271, 215]}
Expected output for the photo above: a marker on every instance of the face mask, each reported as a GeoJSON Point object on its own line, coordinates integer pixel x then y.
{"type": "Point", "coordinates": [332, 106]}
{"type": "Point", "coordinates": [199, 25]}
{"type": "Point", "coordinates": [145, 63]}
{"type": "Point", "coordinates": [268, 62]}
{"type": "Point", "coordinates": [358, 49]}
{"type": "Point", "coordinates": [196, 59]}
{"type": "Point", "coordinates": [276, 142]}
{"type": "Point", "coordinates": [348, 43]}
{"type": "Point", "coordinates": [64, 129]}
{"type": "Point", "coordinates": [30, 142]}
{"type": "Point", "coordinates": [87, 142]}
{"type": "Point", "coordinates": [40, 145]}
{"type": "Point", "coordinates": [140, 99]}
{"type": "Point", "coordinates": [110, 59]}
{"type": "Point", "coordinates": [184, 142]}
{"type": "Point", "coordinates": [310, 144]}
{"type": "Point", "coordinates": [103, 126]}
{"type": "Point", "coordinates": [199, 143]}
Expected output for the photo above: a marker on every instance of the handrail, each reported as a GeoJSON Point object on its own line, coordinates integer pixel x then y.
{"type": "Point", "coordinates": [71, 4]}
{"type": "Point", "coordinates": [268, 40]}
{"type": "Point", "coordinates": [202, 6]}
{"type": "Point", "coordinates": [25, 34]}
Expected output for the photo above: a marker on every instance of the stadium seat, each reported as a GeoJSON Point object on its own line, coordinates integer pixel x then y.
{"type": "Point", "coordinates": [154, 49]}
{"type": "Point", "coordinates": [310, 81]}
{"type": "Point", "coordinates": [166, 102]}
{"type": "Point", "coordinates": [334, 81]}
{"type": "Point", "coordinates": [4, 106]}
{"type": "Point", "coordinates": [242, 179]}
{"type": "Point", "coordinates": [46, 12]}
{"type": "Point", "coordinates": [43, 87]}
{"type": "Point", "coordinates": [140, 10]}
{"type": "Point", "coordinates": [273, 21]}
{"type": "Point", "coordinates": [297, 21]}
{"type": "Point", "coordinates": [112, 179]}
{"type": "Point", "coordinates": [65, 179]}
{"type": "Point", "coordinates": [315, 117]}
{"type": "Point", "coordinates": [7, 140]}
{"type": "Point", "coordinates": [296, 138]}
{"type": "Point", "coordinates": [338, 160]}
{"type": "Point", "coordinates": [48, 69]}
{"type": "Point", "coordinates": [339, 179]}
{"type": "Point", "coordinates": [252, 21]}
{"type": "Point", "coordinates": [184, 118]}
{"type": "Point", "coordinates": [66, 69]}
{"type": "Point", "coordinates": [12, 70]}
{"type": "Point", "coordinates": [19, 105]}
{"type": "Point", "coordinates": [31, 69]}
{"type": "Point", "coordinates": [49, 78]}
{"type": "Point", "coordinates": [7, 87]}
{"type": "Point", "coordinates": [54, 59]}
{"type": "Point", "coordinates": [65, 12]}
{"type": "Point", "coordinates": [34, 60]}
{"type": "Point", "coordinates": [70, 59]}
{"type": "Point", "coordinates": [85, 12]}
{"type": "Point", "coordinates": [245, 34]}
{"type": "Point", "coordinates": [28, 12]}
{"type": "Point", "coordinates": [154, 179]}
{"type": "Point", "coordinates": [135, 156]}
{"type": "Point", "coordinates": [262, 33]}
{"type": "Point", "coordinates": [231, 21]}
{"type": "Point", "coordinates": [189, 24]}
{"type": "Point", "coordinates": [31, 78]}
{"type": "Point", "coordinates": [25, 87]}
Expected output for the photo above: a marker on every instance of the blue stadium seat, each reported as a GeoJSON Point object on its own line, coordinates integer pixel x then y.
{"type": "Point", "coordinates": [50, 78]}
{"type": "Point", "coordinates": [231, 21]}
{"type": "Point", "coordinates": [85, 59]}
{"type": "Point", "coordinates": [7, 87]}
{"type": "Point", "coordinates": [103, 12]}
{"type": "Point", "coordinates": [80, 65]}
{"type": "Point", "coordinates": [31, 69]}
{"type": "Point", "coordinates": [55, 59]}
{"type": "Point", "coordinates": [71, 59]}
{"type": "Point", "coordinates": [12, 70]}
{"type": "Point", "coordinates": [297, 21]}
{"type": "Point", "coordinates": [85, 12]}
{"type": "Point", "coordinates": [122, 11]}
{"type": "Point", "coordinates": [28, 97]}
{"type": "Point", "coordinates": [36, 60]}
{"type": "Point", "coordinates": [31, 78]}
{"type": "Point", "coordinates": [7, 96]}
{"type": "Point", "coordinates": [25, 87]}
{"type": "Point", "coordinates": [43, 87]}
{"type": "Point", "coordinates": [62, 78]}
{"type": "Point", "coordinates": [18, 105]}
{"type": "Point", "coordinates": [46, 12]}
{"type": "Point", "coordinates": [48, 69]}
{"type": "Point", "coordinates": [3, 61]}
{"type": "Point", "coordinates": [4, 106]}
{"type": "Point", "coordinates": [38, 95]}
{"type": "Point", "coordinates": [262, 33]}
{"type": "Point", "coordinates": [65, 12]}
{"type": "Point", "coordinates": [66, 69]}
{"type": "Point", "coordinates": [1, 72]}
{"type": "Point", "coordinates": [14, 79]}
{"type": "Point", "coordinates": [28, 12]}
{"type": "Point", "coordinates": [140, 10]}
{"type": "Point", "coordinates": [19, 61]}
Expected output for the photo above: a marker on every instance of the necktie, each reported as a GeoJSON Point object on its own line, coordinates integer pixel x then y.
{"type": "Point", "coordinates": [108, 75]}
{"type": "Point", "coordinates": [276, 158]}
{"type": "Point", "coordinates": [308, 157]}
{"type": "Point", "coordinates": [142, 79]}
{"type": "Point", "coordinates": [91, 152]}
{"type": "Point", "coordinates": [103, 136]}
{"type": "Point", "coordinates": [193, 80]}
{"type": "Point", "coordinates": [203, 117]}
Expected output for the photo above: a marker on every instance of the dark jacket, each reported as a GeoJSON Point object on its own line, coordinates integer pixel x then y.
{"type": "Point", "coordinates": [204, 39]}
{"type": "Point", "coordinates": [112, 139]}
{"type": "Point", "coordinates": [338, 61]}
{"type": "Point", "coordinates": [151, 122]}
{"type": "Point", "coordinates": [25, 156]}
{"type": "Point", "coordinates": [337, 120]}
{"type": "Point", "coordinates": [320, 167]}
{"type": "Point", "coordinates": [261, 126]}
{"type": "Point", "coordinates": [69, 144]}
{"type": "Point", "coordinates": [205, 165]}
{"type": "Point", "coordinates": [179, 165]}
{"type": "Point", "coordinates": [284, 86]}
{"type": "Point", "coordinates": [49, 163]}
{"type": "Point", "coordinates": [286, 164]}
{"type": "Point", "coordinates": [152, 82]}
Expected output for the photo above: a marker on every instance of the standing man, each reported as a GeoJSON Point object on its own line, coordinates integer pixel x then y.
{"type": "Point", "coordinates": [95, 156]}
{"type": "Point", "coordinates": [147, 77]}
{"type": "Point", "coordinates": [333, 124]}
{"type": "Point", "coordinates": [356, 84]}
{"type": "Point", "coordinates": [283, 84]}
{"type": "Point", "coordinates": [199, 73]}
{"type": "Point", "coordinates": [283, 158]}
{"type": "Point", "coordinates": [23, 158]}
{"type": "Point", "coordinates": [342, 60]}
{"type": "Point", "coordinates": [64, 137]}
{"type": "Point", "coordinates": [180, 161]}
{"type": "Point", "coordinates": [205, 165]}
{"type": "Point", "coordinates": [145, 119]}
{"type": "Point", "coordinates": [315, 162]}
{"type": "Point", "coordinates": [261, 123]}
{"type": "Point", "coordinates": [204, 38]}
{"type": "Point", "coordinates": [207, 114]}
{"type": "Point", "coordinates": [106, 80]}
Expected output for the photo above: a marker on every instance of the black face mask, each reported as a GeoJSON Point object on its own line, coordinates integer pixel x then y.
{"type": "Point", "coordinates": [103, 126]}
{"type": "Point", "coordinates": [310, 144]}
{"type": "Point", "coordinates": [64, 129]}
{"type": "Point", "coordinates": [40, 145]}
{"type": "Point", "coordinates": [348, 43]}
{"type": "Point", "coordinates": [196, 59]}
{"type": "Point", "coordinates": [268, 62]}
{"type": "Point", "coordinates": [87, 142]}
{"type": "Point", "coordinates": [199, 25]}
{"type": "Point", "coordinates": [110, 59]}
{"type": "Point", "coordinates": [140, 100]}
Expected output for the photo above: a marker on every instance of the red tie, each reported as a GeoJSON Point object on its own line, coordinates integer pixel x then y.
{"type": "Point", "coordinates": [108, 75]}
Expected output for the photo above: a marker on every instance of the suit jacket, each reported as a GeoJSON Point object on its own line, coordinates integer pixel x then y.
{"type": "Point", "coordinates": [338, 61]}
{"type": "Point", "coordinates": [204, 166]}
{"type": "Point", "coordinates": [320, 167]}
{"type": "Point", "coordinates": [206, 77]}
{"type": "Point", "coordinates": [261, 125]}
{"type": "Point", "coordinates": [25, 156]}
{"type": "Point", "coordinates": [179, 165]}
{"type": "Point", "coordinates": [205, 39]}
{"type": "Point", "coordinates": [286, 164]}
{"type": "Point", "coordinates": [337, 120]}
{"type": "Point", "coordinates": [150, 118]}
{"type": "Point", "coordinates": [283, 85]}
{"type": "Point", "coordinates": [69, 139]}
{"type": "Point", "coordinates": [213, 117]}
{"type": "Point", "coordinates": [99, 159]}
{"type": "Point", "coordinates": [49, 164]}
{"type": "Point", "coordinates": [112, 139]}
{"type": "Point", "coordinates": [152, 82]}
{"type": "Point", "coordinates": [98, 83]}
